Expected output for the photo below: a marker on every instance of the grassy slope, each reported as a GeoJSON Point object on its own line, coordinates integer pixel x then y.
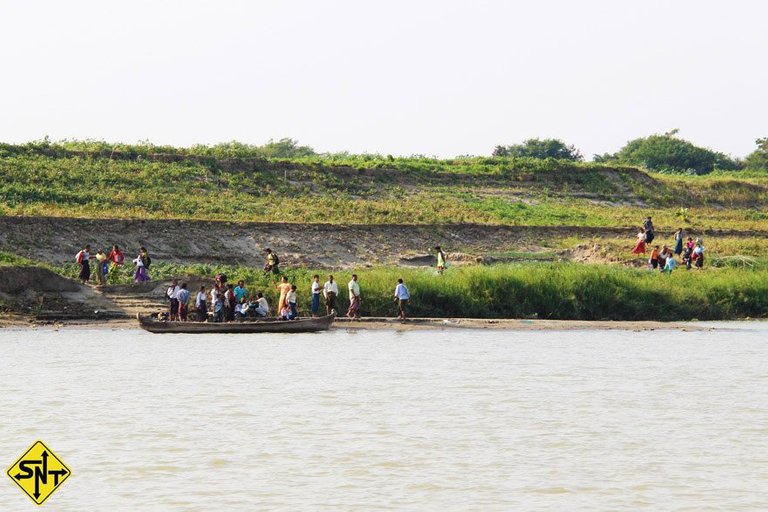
{"type": "Point", "coordinates": [364, 190]}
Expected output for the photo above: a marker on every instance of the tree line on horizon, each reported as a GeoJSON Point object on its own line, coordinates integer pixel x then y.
{"type": "Point", "coordinates": [659, 152]}
{"type": "Point", "coordinates": [666, 153]}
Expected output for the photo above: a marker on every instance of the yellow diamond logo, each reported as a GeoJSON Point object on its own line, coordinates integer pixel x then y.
{"type": "Point", "coordinates": [39, 472]}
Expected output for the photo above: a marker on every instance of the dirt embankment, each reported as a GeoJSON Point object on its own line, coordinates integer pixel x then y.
{"type": "Point", "coordinates": [41, 294]}
{"type": "Point", "coordinates": [57, 240]}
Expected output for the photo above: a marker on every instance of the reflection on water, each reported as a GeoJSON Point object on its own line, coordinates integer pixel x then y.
{"type": "Point", "coordinates": [423, 420]}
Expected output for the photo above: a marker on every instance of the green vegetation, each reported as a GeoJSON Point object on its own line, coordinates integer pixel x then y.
{"type": "Point", "coordinates": [668, 153]}
{"type": "Point", "coordinates": [758, 159]}
{"type": "Point", "coordinates": [525, 290]}
{"type": "Point", "coordinates": [537, 148]}
{"type": "Point", "coordinates": [236, 182]}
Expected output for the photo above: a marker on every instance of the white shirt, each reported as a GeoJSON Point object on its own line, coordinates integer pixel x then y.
{"type": "Point", "coordinates": [173, 292]}
{"type": "Point", "coordinates": [200, 299]}
{"type": "Point", "coordinates": [263, 304]}
{"type": "Point", "coordinates": [354, 289]}
{"type": "Point", "coordinates": [291, 296]}
{"type": "Point", "coordinates": [401, 292]}
{"type": "Point", "coordinates": [330, 287]}
{"type": "Point", "coordinates": [316, 287]}
{"type": "Point", "coordinates": [214, 296]}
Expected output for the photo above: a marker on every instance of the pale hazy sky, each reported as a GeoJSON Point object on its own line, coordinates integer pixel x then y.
{"type": "Point", "coordinates": [434, 77]}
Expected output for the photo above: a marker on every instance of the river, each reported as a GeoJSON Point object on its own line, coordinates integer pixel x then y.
{"type": "Point", "coordinates": [417, 420]}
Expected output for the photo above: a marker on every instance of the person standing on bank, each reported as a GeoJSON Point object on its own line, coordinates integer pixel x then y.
{"type": "Point", "coordinates": [201, 308]}
{"type": "Point", "coordinates": [649, 231]}
{"type": "Point", "coordinates": [173, 300]}
{"type": "Point", "coordinates": [402, 297]}
{"type": "Point", "coordinates": [440, 259]}
{"type": "Point", "coordinates": [272, 262]}
{"type": "Point", "coordinates": [284, 287]}
{"type": "Point", "coordinates": [83, 259]}
{"type": "Point", "coordinates": [317, 289]}
{"type": "Point", "coordinates": [679, 241]}
{"type": "Point", "coordinates": [354, 298]}
{"type": "Point", "coordinates": [330, 292]}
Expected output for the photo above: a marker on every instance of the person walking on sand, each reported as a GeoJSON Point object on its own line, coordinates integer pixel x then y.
{"type": "Point", "coordinates": [83, 258]}
{"type": "Point", "coordinates": [402, 298]}
{"type": "Point", "coordinates": [330, 292]}
{"type": "Point", "coordinates": [317, 289]}
{"type": "Point", "coordinates": [354, 298]}
{"type": "Point", "coordinates": [284, 287]}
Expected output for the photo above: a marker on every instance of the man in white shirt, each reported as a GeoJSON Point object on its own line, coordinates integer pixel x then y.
{"type": "Point", "coordinates": [201, 309]}
{"type": "Point", "coordinates": [330, 291]}
{"type": "Point", "coordinates": [172, 292]}
{"type": "Point", "coordinates": [317, 289]}
{"type": "Point", "coordinates": [402, 297]}
{"type": "Point", "coordinates": [354, 298]}
{"type": "Point", "coordinates": [263, 306]}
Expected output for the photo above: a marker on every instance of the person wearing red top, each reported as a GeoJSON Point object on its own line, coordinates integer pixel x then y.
{"type": "Point", "coordinates": [115, 259]}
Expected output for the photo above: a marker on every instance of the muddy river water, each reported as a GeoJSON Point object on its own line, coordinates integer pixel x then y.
{"type": "Point", "coordinates": [419, 420]}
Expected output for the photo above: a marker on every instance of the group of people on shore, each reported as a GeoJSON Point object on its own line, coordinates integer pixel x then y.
{"type": "Point", "coordinates": [108, 265]}
{"type": "Point", "coordinates": [690, 252]}
{"type": "Point", "coordinates": [226, 302]}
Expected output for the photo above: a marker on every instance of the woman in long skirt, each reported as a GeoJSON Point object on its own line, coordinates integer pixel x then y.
{"type": "Point", "coordinates": [679, 241]}
{"type": "Point", "coordinates": [142, 263]}
{"type": "Point", "coordinates": [640, 245]}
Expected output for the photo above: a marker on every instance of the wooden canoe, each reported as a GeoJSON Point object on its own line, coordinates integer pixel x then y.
{"type": "Point", "coordinates": [322, 323]}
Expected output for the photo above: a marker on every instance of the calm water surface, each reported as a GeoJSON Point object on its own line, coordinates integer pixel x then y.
{"type": "Point", "coordinates": [423, 420]}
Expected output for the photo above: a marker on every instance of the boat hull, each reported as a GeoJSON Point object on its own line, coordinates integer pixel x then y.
{"type": "Point", "coordinates": [322, 323]}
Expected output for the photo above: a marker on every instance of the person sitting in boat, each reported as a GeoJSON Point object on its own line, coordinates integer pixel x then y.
{"type": "Point", "coordinates": [241, 309]}
{"type": "Point", "coordinates": [262, 308]}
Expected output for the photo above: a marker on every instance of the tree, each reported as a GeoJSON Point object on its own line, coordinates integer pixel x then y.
{"type": "Point", "coordinates": [285, 148]}
{"type": "Point", "coordinates": [758, 159]}
{"type": "Point", "coordinates": [537, 148]}
{"type": "Point", "coordinates": [670, 153]}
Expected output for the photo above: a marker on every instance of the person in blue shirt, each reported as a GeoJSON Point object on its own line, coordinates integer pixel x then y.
{"type": "Point", "coordinates": [402, 297]}
{"type": "Point", "coordinates": [240, 291]}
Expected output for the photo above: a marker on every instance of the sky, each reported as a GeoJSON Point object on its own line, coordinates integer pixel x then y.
{"type": "Point", "coordinates": [442, 78]}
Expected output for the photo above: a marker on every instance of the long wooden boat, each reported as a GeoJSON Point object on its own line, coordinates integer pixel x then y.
{"type": "Point", "coordinates": [322, 323]}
